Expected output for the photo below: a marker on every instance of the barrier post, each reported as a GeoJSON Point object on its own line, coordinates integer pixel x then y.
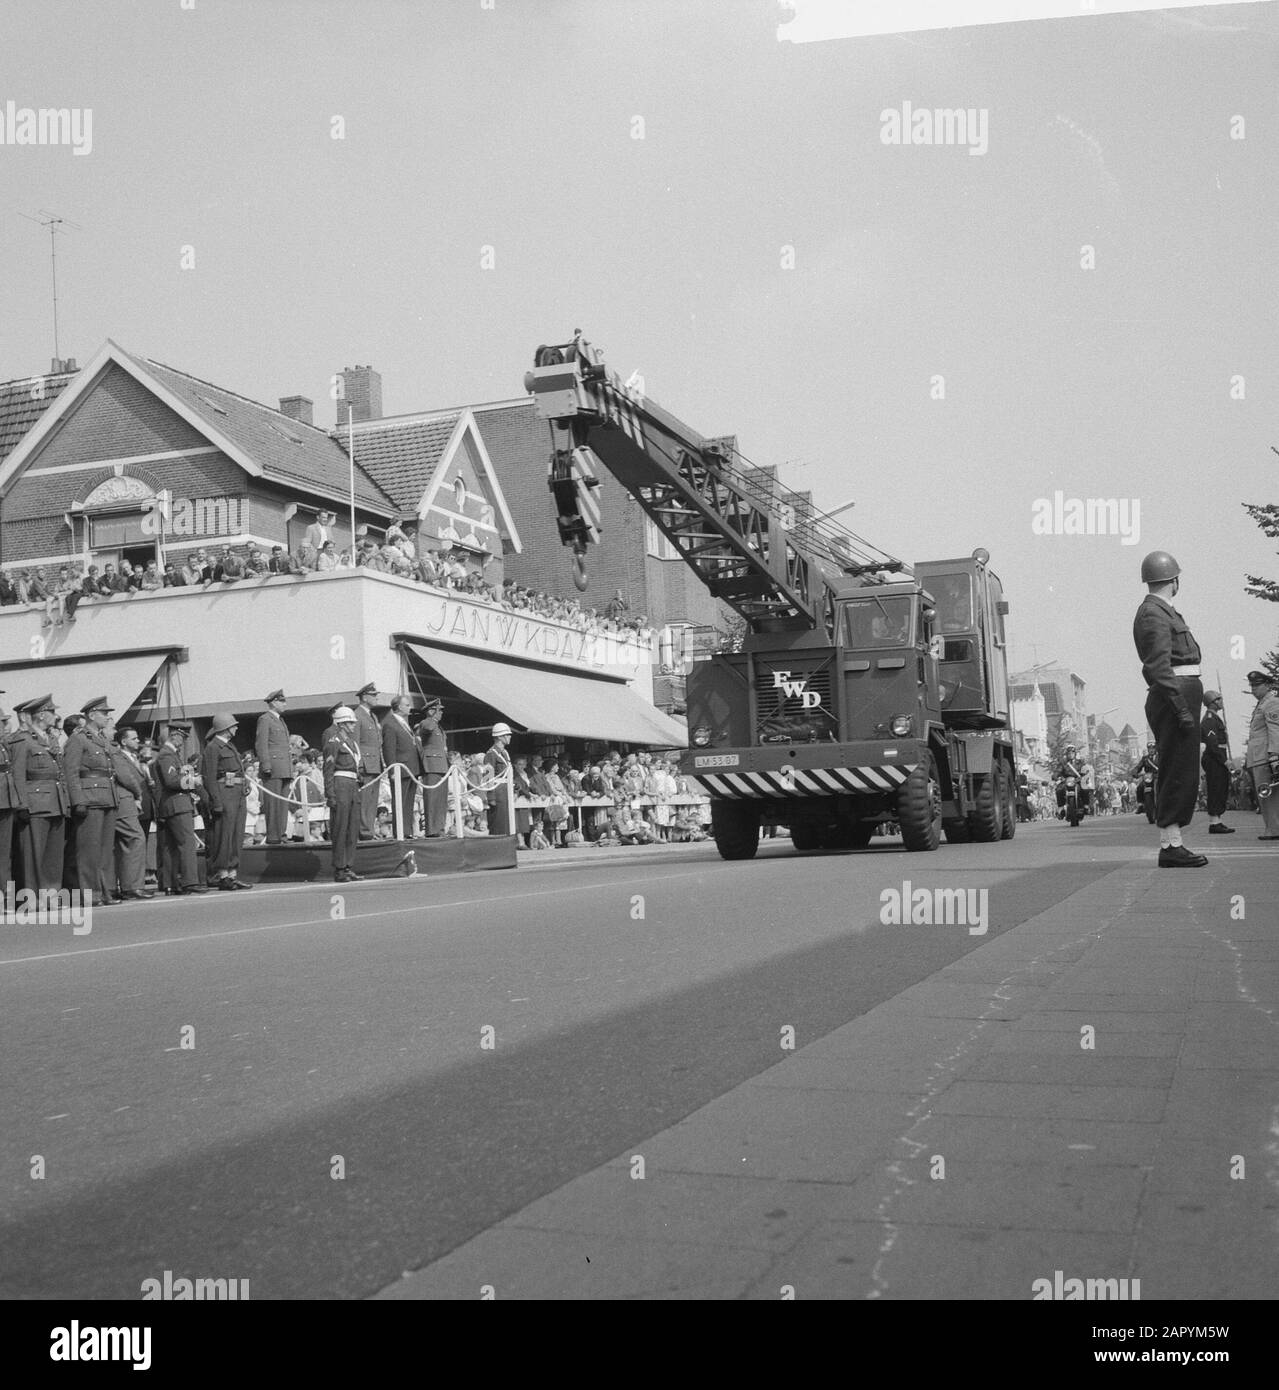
{"type": "Point", "coordinates": [397, 806]}
{"type": "Point", "coordinates": [455, 795]}
{"type": "Point", "coordinates": [510, 797]}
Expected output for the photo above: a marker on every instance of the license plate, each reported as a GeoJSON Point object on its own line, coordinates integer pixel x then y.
{"type": "Point", "coordinates": [719, 760]}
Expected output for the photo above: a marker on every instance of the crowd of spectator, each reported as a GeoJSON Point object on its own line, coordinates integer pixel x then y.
{"type": "Point", "coordinates": [456, 569]}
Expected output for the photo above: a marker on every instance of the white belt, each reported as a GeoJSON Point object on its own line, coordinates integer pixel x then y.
{"type": "Point", "coordinates": [1185, 670]}
{"type": "Point", "coordinates": [344, 774]}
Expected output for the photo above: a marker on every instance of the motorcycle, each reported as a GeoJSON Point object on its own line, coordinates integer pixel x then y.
{"type": "Point", "coordinates": [1073, 813]}
{"type": "Point", "coordinates": [1146, 796]}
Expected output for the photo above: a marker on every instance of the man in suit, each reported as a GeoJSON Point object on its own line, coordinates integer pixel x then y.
{"type": "Point", "coordinates": [8, 802]}
{"type": "Point", "coordinates": [435, 764]}
{"type": "Point", "coordinates": [369, 734]}
{"type": "Point", "coordinates": [175, 813]}
{"type": "Point", "coordinates": [134, 796]}
{"type": "Point", "coordinates": [279, 561]}
{"type": "Point", "coordinates": [90, 773]}
{"type": "Point", "coordinates": [342, 793]}
{"type": "Point", "coordinates": [275, 765]}
{"type": "Point", "coordinates": [1262, 756]}
{"type": "Point", "coordinates": [399, 746]}
{"type": "Point", "coordinates": [222, 770]}
{"type": "Point", "coordinates": [42, 795]}
{"type": "Point", "coordinates": [497, 764]}
{"type": "Point", "coordinates": [1170, 663]}
{"type": "Point", "coordinates": [320, 531]}
{"type": "Point", "coordinates": [1215, 762]}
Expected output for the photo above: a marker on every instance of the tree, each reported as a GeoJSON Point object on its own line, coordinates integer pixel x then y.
{"type": "Point", "coordinates": [1266, 516]}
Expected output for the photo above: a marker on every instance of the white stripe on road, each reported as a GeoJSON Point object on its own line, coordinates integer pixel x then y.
{"type": "Point", "coordinates": [359, 917]}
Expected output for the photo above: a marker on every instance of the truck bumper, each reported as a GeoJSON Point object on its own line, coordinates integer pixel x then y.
{"type": "Point", "coordinates": [875, 768]}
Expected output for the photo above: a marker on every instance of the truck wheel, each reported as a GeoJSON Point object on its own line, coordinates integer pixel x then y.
{"type": "Point", "coordinates": [919, 808]}
{"type": "Point", "coordinates": [735, 827]}
{"type": "Point", "coordinates": [856, 836]}
{"type": "Point", "coordinates": [957, 831]}
{"type": "Point", "coordinates": [987, 818]}
{"type": "Point", "coordinates": [1010, 802]}
{"type": "Point", "coordinates": [806, 837]}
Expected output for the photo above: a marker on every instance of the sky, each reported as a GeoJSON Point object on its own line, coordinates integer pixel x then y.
{"type": "Point", "coordinates": [721, 210]}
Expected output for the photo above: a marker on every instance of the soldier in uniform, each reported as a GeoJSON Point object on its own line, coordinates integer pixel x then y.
{"type": "Point", "coordinates": [435, 764]}
{"type": "Point", "coordinates": [90, 772]}
{"type": "Point", "coordinates": [275, 765]}
{"type": "Point", "coordinates": [1216, 762]}
{"type": "Point", "coordinates": [130, 829]}
{"type": "Point", "coordinates": [1262, 756]}
{"type": "Point", "coordinates": [496, 765]}
{"type": "Point", "coordinates": [342, 793]}
{"type": "Point", "coordinates": [42, 796]}
{"type": "Point", "coordinates": [223, 772]}
{"type": "Point", "coordinates": [399, 746]}
{"type": "Point", "coordinates": [175, 813]}
{"type": "Point", "coordinates": [369, 734]}
{"type": "Point", "coordinates": [1170, 663]}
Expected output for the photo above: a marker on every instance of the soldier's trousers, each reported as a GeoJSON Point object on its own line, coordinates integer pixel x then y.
{"type": "Point", "coordinates": [1268, 805]}
{"type": "Point", "coordinates": [42, 840]}
{"type": "Point", "coordinates": [435, 803]}
{"type": "Point", "coordinates": [344, 823]}
{"type": "Point", "coordinates": [95, 851]}
{"type": "Point", "coordinates": [370, 791]}
{"type": "Point", "coordinates": [226, 836]}
{"type": "Point", "coordinates": [130, 846]}
{"type": "Point", "coordinates": [275, 808]}
{"type": "Point", "coordinates": [1216, 785]}
{"type": "Point", "coordinates": [6, 847]}
{"type": "Point", "coordinates": [177, 844]}
{"type": "Point", "coordinates": [1177, 788]}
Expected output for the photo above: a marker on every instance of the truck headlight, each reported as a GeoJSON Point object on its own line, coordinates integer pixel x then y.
{"type": "Point", "coordinates": [701, 735]}
{"type": "Point", "coordinates": [901, 725]}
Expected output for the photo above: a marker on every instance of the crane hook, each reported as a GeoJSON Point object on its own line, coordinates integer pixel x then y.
{"type": "Point", "coordinates": [580, 577]}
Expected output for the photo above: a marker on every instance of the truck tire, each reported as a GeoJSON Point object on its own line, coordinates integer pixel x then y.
{"type": "Point", "coordinates": [855, 836]}
{"type": "Point", "coordinates": [987, 819]}
{"type": "Point", "coordinates": [735, 826]}
{"type": "Point", "coordinates": [919, 808]}
{"type": "Point", "coordinates": [957, 831]}
{"type": "Point", "coordinates": [806, 837]}
{"type": "Point", "coordinates": [1010, 802]}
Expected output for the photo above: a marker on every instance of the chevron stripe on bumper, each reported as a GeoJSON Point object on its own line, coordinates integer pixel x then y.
{"type": "Point", "coordinates": [802, 782]}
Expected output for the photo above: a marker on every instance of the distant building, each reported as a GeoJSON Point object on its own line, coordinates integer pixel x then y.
{"type": "Point", "coordinates": [1065, 699]}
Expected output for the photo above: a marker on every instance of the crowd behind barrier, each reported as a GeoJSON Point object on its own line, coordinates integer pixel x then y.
{"type": "Point", "coordinates": [455, 569]}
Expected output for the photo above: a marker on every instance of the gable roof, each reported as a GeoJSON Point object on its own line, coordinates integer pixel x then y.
{"type": "Point", "coordinates": [410, 456]}
{"type": "Point", "coordinates": [262, 441]}
{"type": "Point", "coordinates": [23, 402]}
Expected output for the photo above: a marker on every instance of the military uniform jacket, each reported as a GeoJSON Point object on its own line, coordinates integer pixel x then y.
{"type": "Point", "coordinates": [1163, 641]}
{"type": "Point", "coordinates": [222, 769]}
{"type": "Point", "coordinates": [495, 764]}
{"type": "Point", "coordinates": [271, 743]}
{"type": "Point", "coordinates": [341, 754]}
{"type": "Point", "coordinates": [1212, 734]}
{"type": "Point", "coordinates": [1263, 731]}
{"type": "Point", "coordinates": [369, 733]}
{"type": "Point", "coordinates": [170, 797]}
{"type": "Point", "coordinates": [131, 780]}
{"type": "Point", "coordinates": [435, 753]}
{"type": "Point", "coordinates": [37, 776]}
{"type": "Point", "coordinates": [90, 771]}
{"type": "Point", "coordinates": [399, 745]}
{"type": "Point", "coordinates": [8, 791]}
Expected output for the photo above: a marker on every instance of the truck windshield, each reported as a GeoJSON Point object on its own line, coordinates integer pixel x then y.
{"type": "Point", "coordinates": [877, 622]}
{"type": "Point", "coordinates": [953, 596]}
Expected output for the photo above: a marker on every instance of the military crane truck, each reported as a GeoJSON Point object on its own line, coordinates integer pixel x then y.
{"type": "Point", "coordinates": [865, 690]}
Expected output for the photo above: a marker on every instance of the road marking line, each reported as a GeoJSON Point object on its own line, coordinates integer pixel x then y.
{"type": "Point", "coordinates": [358, 917]}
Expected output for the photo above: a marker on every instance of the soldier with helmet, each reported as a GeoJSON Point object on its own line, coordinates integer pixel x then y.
{"type": "Point", "coordinates": [90, 773]}
{"type": "Point", "coordinates": [497, 764]}
{"type": "Point", "coordinates": [1215, 762]}
{"type": "Point", "coordinates": [42, 795]}
{"type": "Point", "coordinates": [1170, 663]}
{"type": "Point", "coordinates": [342, 793]}
{"type": "Point", "coordinates": [222, 770]}
{"type": "Point", "coordinates": [175, 813]}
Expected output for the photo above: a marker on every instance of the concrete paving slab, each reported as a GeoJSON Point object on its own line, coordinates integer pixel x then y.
{"type": "Point", "coordinates": [1074, 1102]}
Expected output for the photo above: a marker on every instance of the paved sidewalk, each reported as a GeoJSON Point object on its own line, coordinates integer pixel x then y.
{"type": "Point", "coordinates": [1108, 1163]}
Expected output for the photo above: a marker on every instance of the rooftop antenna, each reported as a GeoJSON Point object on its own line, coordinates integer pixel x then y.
{"type": "Point", "coordinates": [54, 222]}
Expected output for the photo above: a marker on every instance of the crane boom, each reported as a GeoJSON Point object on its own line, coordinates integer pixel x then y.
{"type": "Point", "coordinates": [758, 546]}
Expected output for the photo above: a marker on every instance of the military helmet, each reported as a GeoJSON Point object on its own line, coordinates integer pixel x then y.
{"type": "Point", "coordinates": [1158, 567]}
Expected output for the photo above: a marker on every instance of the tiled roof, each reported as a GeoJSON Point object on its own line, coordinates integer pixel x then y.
{"type": "Point", "coordinates": [1128, 732]}
{"type": "Point", "coordinates": [286, 450]}
{"type": "Point", "coordinates": [403, 454]}
{"type": "Point", "coordinates": [22, 403]}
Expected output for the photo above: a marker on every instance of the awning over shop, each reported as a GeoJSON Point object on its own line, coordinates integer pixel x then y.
{"type": "Point", "coordinates": [121, 678]}
{"type": "Point", "coordinates": [546, 702]}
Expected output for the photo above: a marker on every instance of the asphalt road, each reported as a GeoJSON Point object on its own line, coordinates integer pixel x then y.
{"type": "Point", "coordinates": [621, 996]}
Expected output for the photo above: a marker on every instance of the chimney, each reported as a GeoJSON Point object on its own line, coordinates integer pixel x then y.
{"type": "Point", "coordinates": [362, 390]}
{"type": "Point", "coordinates": [298, 408]}
{"type": "Point", "coordinates": [59, 365]}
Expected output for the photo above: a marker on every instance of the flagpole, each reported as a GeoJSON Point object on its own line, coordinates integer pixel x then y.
{"type": "Point", "coordinates": [350, 444]}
